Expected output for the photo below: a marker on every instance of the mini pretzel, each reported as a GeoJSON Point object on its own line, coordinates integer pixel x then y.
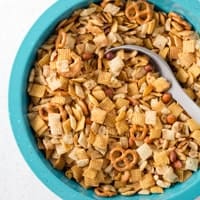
{"type": "Point", "coordinates": [179, 20]}
{"type": "Point", "coordinates": [141, 11]}
{"type": "Point", "coordinates": [135, 130]}
{"type": "Point", "coordinates": [102, 191]}
{"type": "Point", "coordinates": [61, 39]}
{"type": "Point", "coordinates": [74, 67]}
{"type": "Point", "coordinates": [123, 160]}
{"type": "Point", "coordinates": [52, 108]}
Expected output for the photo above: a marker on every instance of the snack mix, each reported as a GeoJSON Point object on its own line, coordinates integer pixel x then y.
{"type": "Point", "coordinates": [107, 120]}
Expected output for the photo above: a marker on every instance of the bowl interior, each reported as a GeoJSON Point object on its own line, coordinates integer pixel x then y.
{"type": "Point", "coordinates": [18, 101]}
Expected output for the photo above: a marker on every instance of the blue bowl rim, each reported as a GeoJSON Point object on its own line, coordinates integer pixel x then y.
{"type": "Point", "coordinates": [16, 113]}
{"type": "Point", "coordinates": [33, 160]}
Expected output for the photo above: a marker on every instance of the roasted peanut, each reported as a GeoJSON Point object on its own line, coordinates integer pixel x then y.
{"type": "Point", "coordinates": [177, 164]}
{"type": "Point", "coordinates": [87, 56]}
{"type": "Point", "coordinates": [171, 119]}
{"type": "Point", "coordinates": [166, 98]}
{"type": "Point", "coordinates": [148, 68]}
{"type": "Point", "coordinates": [172, 156]}
{"type": "Point", "coordinates": [109, 55]}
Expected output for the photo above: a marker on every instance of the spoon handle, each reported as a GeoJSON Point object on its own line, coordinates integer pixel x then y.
{"type": "Point", "coordinates": [187, 103]}
{"type": "Point", "coordinates": [176, 90]}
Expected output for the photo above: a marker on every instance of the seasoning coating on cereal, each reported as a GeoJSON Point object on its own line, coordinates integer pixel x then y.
{"type": "Point", "coordinates": [107, 120]}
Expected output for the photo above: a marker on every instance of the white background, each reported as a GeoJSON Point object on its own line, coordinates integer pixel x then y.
{"type": "Point", "coordinates": [17, 181]}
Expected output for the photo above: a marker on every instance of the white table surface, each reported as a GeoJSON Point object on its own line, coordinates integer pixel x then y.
{"type": "Point", "coordinates": [17, 181]}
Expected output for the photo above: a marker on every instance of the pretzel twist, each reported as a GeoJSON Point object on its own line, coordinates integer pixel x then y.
{"type": "Point", "coordinates": [52, 108]}
{"type": "Point", "coordinates": [61, 39]}
{"type": "Point", "coordinates": [141, 11]}
{"type": "Point", "coordinates": [123, 160]}
{"type": "Point", "coordinates": [138, 132]}
{"type": "Point", "coordinates": [74, 67]}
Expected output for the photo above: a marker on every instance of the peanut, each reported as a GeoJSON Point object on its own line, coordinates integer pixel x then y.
{"type": "Point", "coordinates": [166, 98]}
{"type": "Point", "coordinates": [177, 164]}
{"type": "Point", "coordinates": [172, 156]}
{"type": "Point", "coordinates": [148, 68]}
{"type": "Point", "coordinates": [110, 55]}
{"type": "Point", "coordinates": [87, 55]}
{"type": "Point", "coordinates": [109, 92]}
{"type": "Point", "coordinates": [171, 119]}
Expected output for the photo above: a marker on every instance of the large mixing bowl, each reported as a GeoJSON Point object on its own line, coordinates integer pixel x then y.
{"type": "Point", "coordinates": [18, 101]}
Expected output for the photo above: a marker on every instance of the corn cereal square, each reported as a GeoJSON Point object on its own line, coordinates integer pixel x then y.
{"type": "Point", "coordinates": [189, 46]}
{"type": "Point", "coordinates": [98, 115]}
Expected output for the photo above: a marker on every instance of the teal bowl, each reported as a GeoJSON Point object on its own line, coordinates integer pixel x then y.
{"type": "Point", "coordinates": [18, 101]}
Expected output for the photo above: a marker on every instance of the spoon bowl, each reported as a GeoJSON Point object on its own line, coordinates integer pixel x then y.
{"type": "Point", "coordinates": [164, 69]}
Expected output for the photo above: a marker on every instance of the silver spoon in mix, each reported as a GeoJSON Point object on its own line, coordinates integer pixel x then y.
{"type": "Point", "coordinates": [163, 68]}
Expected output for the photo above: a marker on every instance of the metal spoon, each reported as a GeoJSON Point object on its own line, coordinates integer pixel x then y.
{"type": "Point", "coordinates": [163, 68]}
